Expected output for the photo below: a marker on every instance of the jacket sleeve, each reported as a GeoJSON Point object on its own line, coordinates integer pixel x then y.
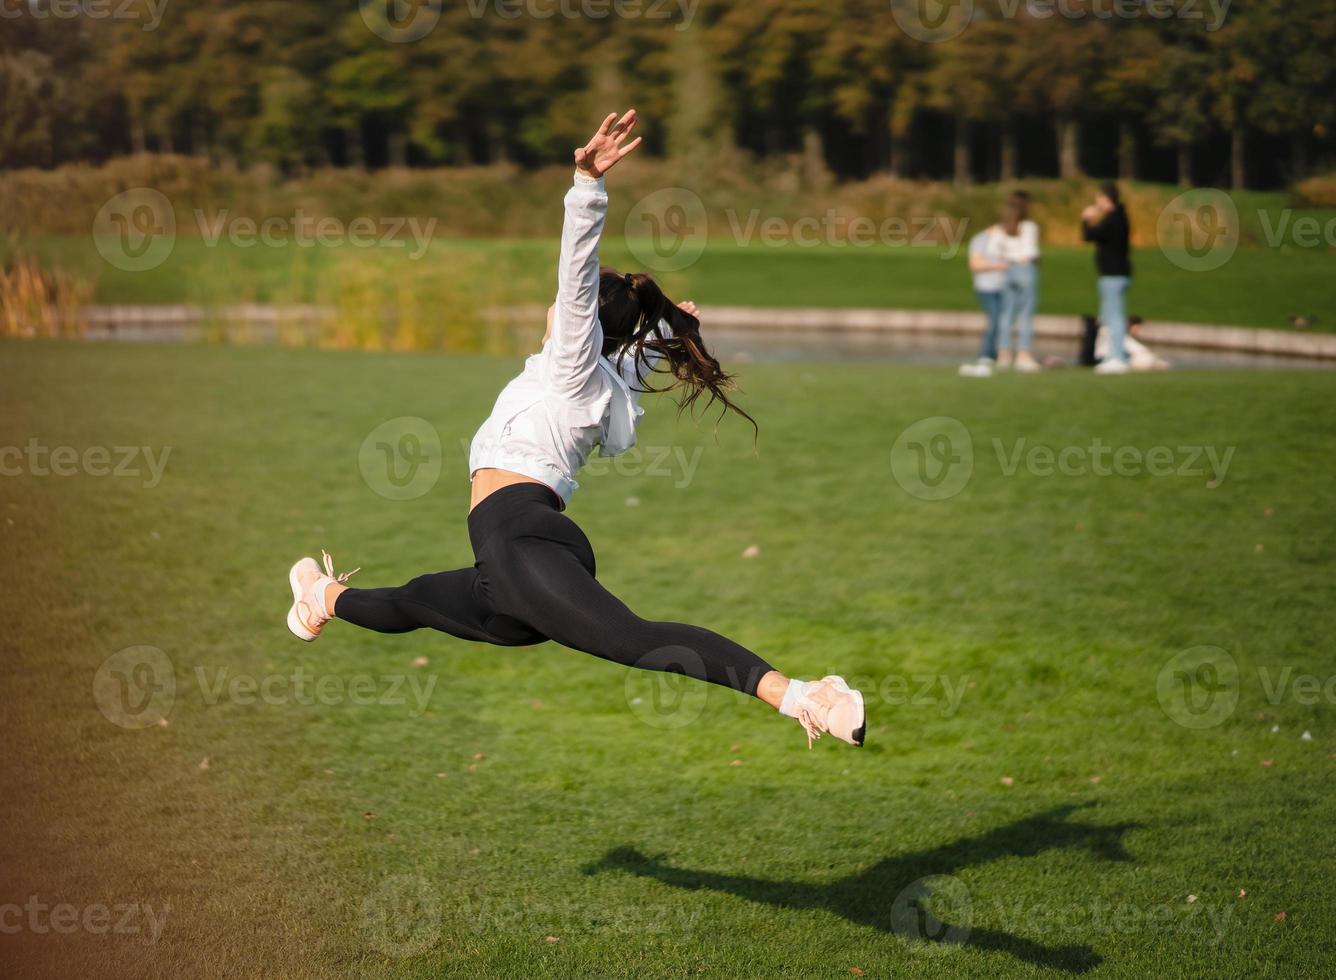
{"type": "Point", "coordinates": [577, 338]}
{"type": "Point", "coordinates": [1102, 231]}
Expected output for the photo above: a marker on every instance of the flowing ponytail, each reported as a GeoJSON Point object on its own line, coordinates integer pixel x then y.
{"type": "Point", "coordinates": [631, 307]}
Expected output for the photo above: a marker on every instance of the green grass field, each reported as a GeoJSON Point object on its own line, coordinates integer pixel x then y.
{"type": "Point", "coordinates": [1259, 287]}
{"type": "Point", "coordinates": [1026, 643]}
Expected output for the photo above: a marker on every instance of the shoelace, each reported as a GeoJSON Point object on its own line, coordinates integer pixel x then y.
{"type": "Point", "coordinates": [329, 568]}
{"type": "Point", "coordinates": [809, 723]}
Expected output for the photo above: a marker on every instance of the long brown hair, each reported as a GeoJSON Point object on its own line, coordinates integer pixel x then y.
{"type": "Point", "coordinates": [630, 307]}
{"type": "Point", "coordinates": [1014, 211]}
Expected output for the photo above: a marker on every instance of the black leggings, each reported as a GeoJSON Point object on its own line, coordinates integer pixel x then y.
{"type": "Point", "coordinates": [533, 581]}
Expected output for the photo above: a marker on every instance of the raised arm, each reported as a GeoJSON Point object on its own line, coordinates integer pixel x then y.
{"type": "Point", "coordinates": [576, 341]}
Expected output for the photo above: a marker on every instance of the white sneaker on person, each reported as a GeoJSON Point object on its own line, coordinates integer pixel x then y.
{"type": "Point", "coordinates": [1026, 364]}
{"type": "Point", "coordinates": [1112, 366]}
{"type": "Point", "coordinates": [982, 368]}
{"type": "Point", "coordinates": [308, 614]}
{"type": "Point", "coordinates": [828, 705]}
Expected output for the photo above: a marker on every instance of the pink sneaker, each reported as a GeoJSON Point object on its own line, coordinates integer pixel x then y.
{"type": "Point", "coordinates": [831, 705]}
{"type": "Point", "coordinates": [308, 614]}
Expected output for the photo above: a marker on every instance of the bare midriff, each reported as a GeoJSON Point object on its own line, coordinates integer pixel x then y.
{"type": "Point", "coordinates": [489, 480]}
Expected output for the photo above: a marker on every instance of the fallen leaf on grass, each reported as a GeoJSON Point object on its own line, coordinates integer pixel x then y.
{"type": "Point", "coordinates": [1243, 893]}
{"type": "Point", "coordinates": [369, 815]}
{"type": "Point", "coordinates": [1280, 916]}
{"type": "Point", "coordinates": [440, 775]}
{"type": "Point", "coordinates": [751, 551]}
{"type": "Point", "coordinates": [477, 756]}
{"type": "Point", "coordinates": [553, 939]}
{"type": "Point", "coordinates": [1096, 779]}
{"type": "Point", "coordinates": [204, 763]}
{"type": "Point", "coordinates": [736, 762]}
{"type": "Point", "coordinates": [1008, 781]}
{"type": "Point", "coordinates": [855, 971]}
{"type": "Point", "coordinates": [1268, 763]}
{"type": "Point", "coordinates": [420, 661]}
{"type": "Point", "coordinates": [1191, 899]}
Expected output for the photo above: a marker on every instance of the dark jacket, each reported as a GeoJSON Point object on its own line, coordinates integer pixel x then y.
{"type": "Point", "coordinates": [1111, 236]}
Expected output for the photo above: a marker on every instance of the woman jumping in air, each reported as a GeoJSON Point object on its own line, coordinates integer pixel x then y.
{"type": "Point", "coordinates": [534, 575]}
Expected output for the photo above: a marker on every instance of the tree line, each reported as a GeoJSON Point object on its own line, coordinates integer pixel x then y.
{"type": "Point", "coordinates": [1201, 91]}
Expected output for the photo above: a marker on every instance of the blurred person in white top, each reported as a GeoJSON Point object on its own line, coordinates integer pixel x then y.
{"type": "Point", "coordinates": [988, 267]}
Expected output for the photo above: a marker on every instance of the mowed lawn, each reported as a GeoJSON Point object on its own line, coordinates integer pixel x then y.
{"type": "Point", "coordinates": [1057, 780]}
{"type": "Point", "coordinates": [1256, 287]}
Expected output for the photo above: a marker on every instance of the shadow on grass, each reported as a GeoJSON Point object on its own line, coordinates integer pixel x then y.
{"type": "Point", "coordinates": [890, 895]}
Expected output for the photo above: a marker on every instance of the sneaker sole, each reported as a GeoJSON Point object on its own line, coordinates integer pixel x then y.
{"type": "Point", "coordinates": [860, 732]}
{"type": "Point", "coordinates": [294, 621]}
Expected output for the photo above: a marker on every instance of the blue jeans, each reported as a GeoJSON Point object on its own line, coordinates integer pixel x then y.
{"type": "Point", "coordinates": [992, 308]}
{"type": "Point", "coordinates": [1113, 313]}
{"type": "Point", "coordinates": [1018, 304]}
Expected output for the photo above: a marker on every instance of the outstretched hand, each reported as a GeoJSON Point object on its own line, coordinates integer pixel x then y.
{"type": "Point", "coordinates": [605, 149]}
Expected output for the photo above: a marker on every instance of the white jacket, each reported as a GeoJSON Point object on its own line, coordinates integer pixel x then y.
{"type": "Point", "coordinates": [569, 397]}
